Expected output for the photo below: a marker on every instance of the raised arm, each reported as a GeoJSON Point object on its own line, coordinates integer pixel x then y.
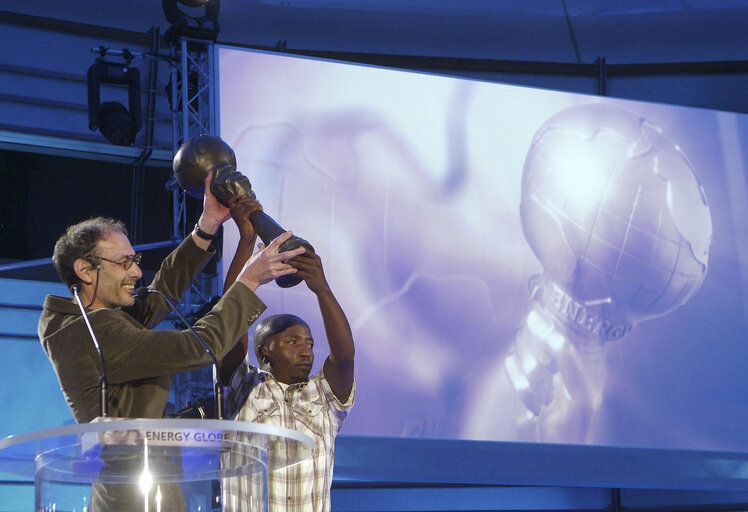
{"type": "Point", "coordinates": [181, 266]}
{"type": "Point", "coordinates": [338, 367]}
{"type": "Point", "coordinates": [241, 209]}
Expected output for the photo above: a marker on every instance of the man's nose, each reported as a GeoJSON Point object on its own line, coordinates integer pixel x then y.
{"type": "Point", "coordinates": [135, 271]}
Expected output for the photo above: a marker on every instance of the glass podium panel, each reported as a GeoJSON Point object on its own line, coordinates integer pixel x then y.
{"type": "Point", "coordinates": [149, 465]}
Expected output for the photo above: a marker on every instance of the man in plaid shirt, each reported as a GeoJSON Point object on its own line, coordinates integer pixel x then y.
{"type": "Point", "coordinates": [284, 394]}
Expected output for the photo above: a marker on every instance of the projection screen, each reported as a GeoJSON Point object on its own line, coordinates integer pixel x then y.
{"type": "Point", "coordinates": [516, 264]}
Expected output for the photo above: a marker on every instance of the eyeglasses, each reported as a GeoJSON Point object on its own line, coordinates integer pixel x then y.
{"type": "Point", "coordinates": [126, 261]}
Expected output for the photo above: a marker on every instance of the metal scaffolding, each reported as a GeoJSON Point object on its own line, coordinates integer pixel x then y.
{"type": "Point", "coordinates": [194, 112]}
{"type": "Point", "coordinates": [193, 106]}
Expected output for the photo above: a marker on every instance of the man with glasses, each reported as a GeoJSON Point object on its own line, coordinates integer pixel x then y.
{"type": "Point", "coordinates": [95, 260]}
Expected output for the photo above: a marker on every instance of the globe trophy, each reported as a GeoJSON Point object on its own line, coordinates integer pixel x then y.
{"type": "Point", "coordinates": [209, 153]}
{"type": "Point", "coordinates": [616, 215]}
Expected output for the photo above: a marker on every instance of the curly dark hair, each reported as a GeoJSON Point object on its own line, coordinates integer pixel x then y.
{"type": "Point", "coordinates": [271, 326]}
{"type": "Point", "coordinates": [79, 241]}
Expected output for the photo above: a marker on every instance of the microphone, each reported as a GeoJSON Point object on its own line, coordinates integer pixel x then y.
{"type": "Point", "coordinates": [142, 292]}
{"type": "Point", "coordinates": [103, 381]}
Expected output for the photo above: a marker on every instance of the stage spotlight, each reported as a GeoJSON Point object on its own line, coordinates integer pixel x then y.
{"type": "Point", "coordinates": [185, 25]}
{"type": "Point", "coordinates": [117, 123]}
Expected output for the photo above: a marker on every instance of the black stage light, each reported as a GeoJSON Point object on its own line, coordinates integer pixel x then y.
{"type": "Point", "coordinates": [117, 123]}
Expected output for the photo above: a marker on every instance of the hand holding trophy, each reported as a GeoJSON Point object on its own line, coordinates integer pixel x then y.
{"type": "Point", "coordinates": [209, 153]}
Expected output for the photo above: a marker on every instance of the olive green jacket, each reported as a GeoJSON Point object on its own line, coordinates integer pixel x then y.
{"type": "Point", "coordinates": [140, 360]}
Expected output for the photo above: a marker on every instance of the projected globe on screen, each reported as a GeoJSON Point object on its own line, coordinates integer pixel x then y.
{"type": "Point", "coordinates": [615, 213]}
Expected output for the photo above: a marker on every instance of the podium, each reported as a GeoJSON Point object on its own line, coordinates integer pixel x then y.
{"type": "Point", "coordinates": [147, 465]}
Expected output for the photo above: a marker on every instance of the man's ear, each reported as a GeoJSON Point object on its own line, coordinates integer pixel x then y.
{"type": "Point", "coordinates": [83, 269]}
{"type": "Point", "coordinates": [264, 355]}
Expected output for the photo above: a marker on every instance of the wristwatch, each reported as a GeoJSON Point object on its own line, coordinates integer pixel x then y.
{"type": "Point", "coordinates": [202, 234]}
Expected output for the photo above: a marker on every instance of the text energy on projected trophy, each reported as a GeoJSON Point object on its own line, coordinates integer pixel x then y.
{"type": "Point", "coordinates": [208, 153]}
{"type": "Point", "coordinates": [617, 217]}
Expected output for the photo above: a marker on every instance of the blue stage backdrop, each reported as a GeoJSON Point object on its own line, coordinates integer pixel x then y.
{"type": "Point", "coordinates": [517, 264]}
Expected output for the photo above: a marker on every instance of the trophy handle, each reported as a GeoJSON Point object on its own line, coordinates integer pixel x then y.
{"type": "Point", "coordinates": [267, 229]}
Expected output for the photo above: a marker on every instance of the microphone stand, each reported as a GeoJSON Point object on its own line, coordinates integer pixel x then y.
{"type": "Point", "coordinates": [103, 381]}
{"type": "Point", "coordinates": [217, 388]}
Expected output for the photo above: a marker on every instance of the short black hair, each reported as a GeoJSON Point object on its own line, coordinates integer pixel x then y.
{"type": "Point", "coordinates": [79, 241]}
{"type": "Point", "coordinates": [271, 326]}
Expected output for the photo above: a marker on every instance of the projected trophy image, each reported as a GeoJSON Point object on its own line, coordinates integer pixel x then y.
{"type": "Point", "coordinates": [616, 215]}
{"type": "Point", "coordinates": [209, 153]}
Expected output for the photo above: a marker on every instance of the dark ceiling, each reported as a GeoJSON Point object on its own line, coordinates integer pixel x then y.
{"type": "Point", "coordinates": [622, 31]}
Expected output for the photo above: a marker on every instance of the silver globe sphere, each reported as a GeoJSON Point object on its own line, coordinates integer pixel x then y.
{"type": "Point", "coordinates": [617, 216]}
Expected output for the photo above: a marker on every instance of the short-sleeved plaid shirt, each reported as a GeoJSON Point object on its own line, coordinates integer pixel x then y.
{"type": "Point", "coordinates": [312, 409]}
